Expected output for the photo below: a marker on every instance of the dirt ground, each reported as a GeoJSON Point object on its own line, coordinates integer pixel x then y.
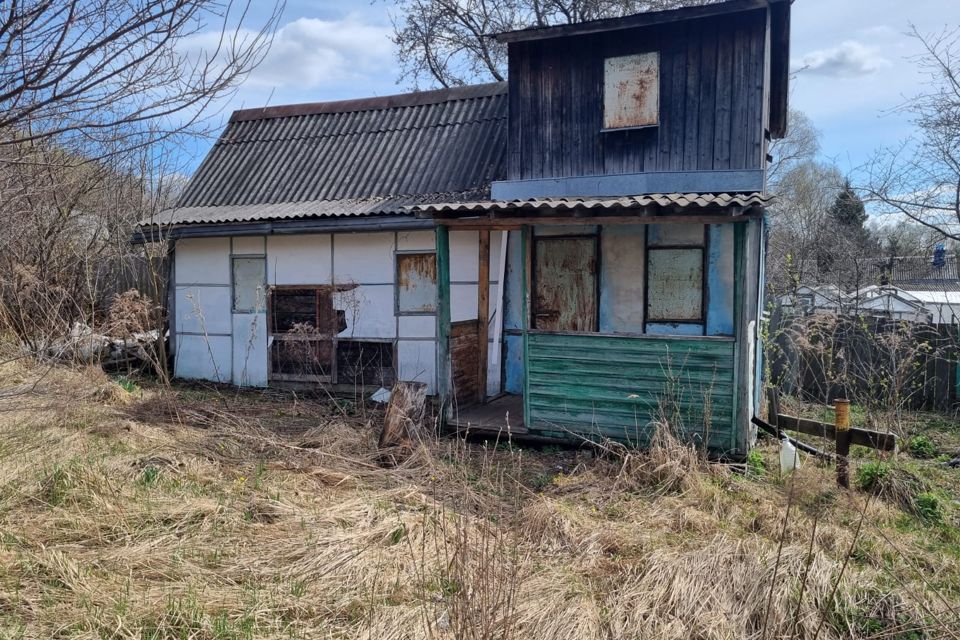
{"type": "Point", "coordinates": [132, 511]}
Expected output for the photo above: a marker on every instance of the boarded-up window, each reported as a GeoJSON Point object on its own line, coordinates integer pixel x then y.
{"type": "Point", "coordinates": [303, 326]}
{"type": "Point", "coordinates": [416, 283]}
{"type": "Point", "coordinates": [675, 274]}
{"type": "Point", "coordinates": [249, 283]}
{"type": "Point", "coordinates": [631, 91]}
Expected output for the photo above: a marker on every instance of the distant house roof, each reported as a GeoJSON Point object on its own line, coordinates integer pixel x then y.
{"type": "Point", "coordinates": [350, 158]}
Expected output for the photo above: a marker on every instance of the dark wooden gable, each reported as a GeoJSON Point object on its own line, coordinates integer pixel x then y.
{"type": "Point", "coordinates": [713, 114]}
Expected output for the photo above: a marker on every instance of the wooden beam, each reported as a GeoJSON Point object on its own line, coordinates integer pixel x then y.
{"type": "Point", "coordinates": [861, 437]}
{"type": "Point", "coordinates": [443, 323]}
{"type": "Point", "coordinates": [483, 314]}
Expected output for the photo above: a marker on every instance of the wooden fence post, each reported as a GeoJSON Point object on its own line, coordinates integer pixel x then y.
{"type": "Point", "coordinates": [842, 424]}
{"type": "Point", "coordinates": [773, 409]}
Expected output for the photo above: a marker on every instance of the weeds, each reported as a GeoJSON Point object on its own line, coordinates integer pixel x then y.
{"type": "Point", "coordinates": [203, 520]}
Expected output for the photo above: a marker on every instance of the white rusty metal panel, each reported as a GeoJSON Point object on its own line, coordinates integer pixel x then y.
{"type": "Point", "coordinates": [675, 282]}
{"type": "Point", "coordinates": [249, 245]}
{"type": "Point", "coordinates": [368, 310]}
{"type": "Point", "coordinates": [631, 91]}
{"type": "Point", "coordinates": [416, 240]}
{"type": "Point", "coordinates": [416, 283]}
{"type": "Point", "coordinates": [418, 362]}
{"type": "Point", "coordinates": [250, 350]}
{"type": "Point", "coordinates": [204, 358]}
{"type": "Point", "coordinates": [364, 258]}
{"type": "Point", "coordinates": [203, 261]}
{"type": "Point", "coordinates": [298, 259]}
{"type": "Point", "coordinates": [203, 310]}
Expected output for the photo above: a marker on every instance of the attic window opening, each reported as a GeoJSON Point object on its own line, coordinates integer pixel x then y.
{"type": "Point", "coordinates": [631, 91]}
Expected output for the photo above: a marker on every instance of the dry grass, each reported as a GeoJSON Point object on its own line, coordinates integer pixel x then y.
{"type": "Point", "coordinates": [200, 515]}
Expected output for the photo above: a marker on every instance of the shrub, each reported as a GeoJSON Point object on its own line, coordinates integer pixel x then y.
{"type": "Point", "coordinates": [922, 447]}
{"type": "Point", "coordinates": [928, 507]}
{"type": "Point", "coordinates": [870, 475]}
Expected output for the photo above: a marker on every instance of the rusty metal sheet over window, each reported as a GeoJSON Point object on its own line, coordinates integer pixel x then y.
{"type": "Point", "coordinates": [416, 283]}
{"type": "Point", "coordinates": [565, 283]}
{"type": "Point", "coordinates": [249, 285]}
{"type": "Point", "coordinates": [675, 285]}
{"type": "Point", "coordinates": [631, 91]}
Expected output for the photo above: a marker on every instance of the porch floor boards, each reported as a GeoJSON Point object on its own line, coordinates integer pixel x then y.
{"type": "Point", "coordinates": [496, 417]}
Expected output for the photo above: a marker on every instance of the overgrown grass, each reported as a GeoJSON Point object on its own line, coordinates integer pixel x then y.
{"type": "Point", "coordinates": [197, 513]}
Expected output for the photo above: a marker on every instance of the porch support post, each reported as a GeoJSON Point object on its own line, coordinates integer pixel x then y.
{"type": "Point", "coordinates": [483, 314]}
{"type": "Point", "coordinates": [444, 384]}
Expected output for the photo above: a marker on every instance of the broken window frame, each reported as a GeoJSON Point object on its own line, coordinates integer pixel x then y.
{"type": "Point", "coordinates": [286, 336]}
{"type": "Point", "coordinates": [398, 311]}
{"type": "Point", "coordinates": [702, 249]}
{"type": "Point", "coordinates": [260, 305]}
{"type": "Point", "coordinates": [332, 374]}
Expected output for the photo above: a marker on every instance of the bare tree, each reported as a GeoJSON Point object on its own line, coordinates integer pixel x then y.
{"type": "Point", "coordinates": [447, 43]}
{"type": "Point", "coordinates": [96, 97]}
{"type": "Point", "coordinates": [920, 179]}
{"type": "Point", "coordinates": [107, 76]}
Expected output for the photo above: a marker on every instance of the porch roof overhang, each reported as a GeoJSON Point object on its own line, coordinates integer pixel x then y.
{"type": "Point", "coordinates": [650, 208]}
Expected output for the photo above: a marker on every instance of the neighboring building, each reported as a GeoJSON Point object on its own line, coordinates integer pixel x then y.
{"type": "Point", "coordinates": [614, 188]}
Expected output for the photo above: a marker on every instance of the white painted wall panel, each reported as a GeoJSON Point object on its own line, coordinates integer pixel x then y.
{"type": "Point", "coordinates": [203, 310]}
{"type": "Point", "coordinates": [464, 256]}
{"type": "Point", "coordinates": [364, 258]}
{"type": "Point", "coordinates": [463, 302]}
{"type": "Point", "coordinates": [298, 259]}
{"type": "Point", "coordinates": [495, 240]}
{"type": "Point", "coordinates": [416, 240]}
{"type": "Point", "coordinates": [369, 311]}
{"type": "Point", "coordinates": [418, 326]}
{"type": "Point", "coordinates": [418, 362]}
{"type": "Point", "coordinates": [250, 349]}
{"type": "Point", "coordinates": [249, 245]}
{"type": "Point", "coordinates": [204, 358]}
{"type": "Point", "coordinates": [203, 261]}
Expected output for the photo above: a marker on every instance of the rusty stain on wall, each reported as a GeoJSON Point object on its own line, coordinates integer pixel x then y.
{"type": "Point", "coordinates": [416, 282]}
{"type": "Point", "coordinates": [631, 91]}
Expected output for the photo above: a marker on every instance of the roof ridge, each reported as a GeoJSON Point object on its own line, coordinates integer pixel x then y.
{"type": "Point", "coordinates": [410, 99]}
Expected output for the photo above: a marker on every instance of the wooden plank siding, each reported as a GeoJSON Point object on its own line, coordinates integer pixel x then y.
{"type": "Point", "coordinates": [712, 116]}
{"type": "Point", "coordinates": [592, 385]}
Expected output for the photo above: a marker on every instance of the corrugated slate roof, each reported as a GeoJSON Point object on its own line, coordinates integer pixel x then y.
{"type": "Point", "coordinates": [353, 157]}
{"type": "Point", "coordinates": [674, 201]}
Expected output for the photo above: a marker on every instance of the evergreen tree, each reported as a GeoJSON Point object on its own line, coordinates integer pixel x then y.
{"type": "Point", "coordinates": [848, 209]}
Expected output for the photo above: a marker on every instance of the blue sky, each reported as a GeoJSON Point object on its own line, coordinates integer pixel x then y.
{"type": "Point", "coordinates": [852, 60]}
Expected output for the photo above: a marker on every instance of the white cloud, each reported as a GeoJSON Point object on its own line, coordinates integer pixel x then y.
{"type": "Point", "coordinates": [310, 52]}
{"type": "Point", "coordinates": [849, 59]}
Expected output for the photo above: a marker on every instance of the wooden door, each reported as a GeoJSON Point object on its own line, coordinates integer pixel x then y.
{"type": "Point", "coordinates": [565, 283]}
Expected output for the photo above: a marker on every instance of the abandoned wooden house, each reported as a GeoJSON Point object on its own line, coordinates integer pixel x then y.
{"type": "Point", "coordinates": [574, 253]}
